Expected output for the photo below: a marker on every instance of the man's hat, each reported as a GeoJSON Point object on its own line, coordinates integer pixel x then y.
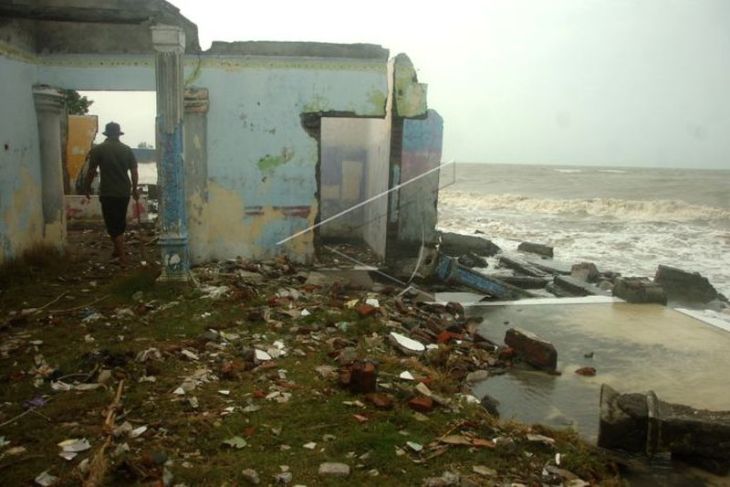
{"type": "Point", "coordinates": [113, 130]}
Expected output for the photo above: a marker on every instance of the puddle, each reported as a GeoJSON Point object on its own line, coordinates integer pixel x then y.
{"type": "Point", "coordinates": [635, 348]}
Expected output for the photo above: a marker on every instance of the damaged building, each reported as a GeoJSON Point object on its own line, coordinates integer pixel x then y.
{"type": "Point", "coordinates": [257, 141]}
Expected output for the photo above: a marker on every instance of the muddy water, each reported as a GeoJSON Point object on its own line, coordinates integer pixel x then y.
{"type": "Point", "coordinates": [634, 348]}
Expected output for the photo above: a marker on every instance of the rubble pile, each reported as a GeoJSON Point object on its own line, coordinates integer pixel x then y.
{"type": "Point", "coordinates": [195, 373]}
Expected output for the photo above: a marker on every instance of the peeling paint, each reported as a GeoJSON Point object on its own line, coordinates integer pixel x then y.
{"type": "Point", "coordinates": [21, 222]}
{"type": "Point", "coordinates": [235, 229]}
{"type": "Point", "coordinates": [268, 163]}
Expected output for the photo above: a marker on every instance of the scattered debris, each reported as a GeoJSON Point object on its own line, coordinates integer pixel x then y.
{"type": "Point", "coordinates": [331, 469]}
{"type": "Point", "coordinates": [586, 371]}
{"type": "Point", "coordinates": [536, 248]}
{"type": "Point", "coordinates": [235, 442]}
{"type": "Point", "coordinates": [406, 345]}
{"type": "Point", "coordinates": [532, 349]}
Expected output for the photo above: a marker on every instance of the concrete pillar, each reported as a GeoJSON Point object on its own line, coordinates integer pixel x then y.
{"type": "Point", "coordinates": [196, 171]}
{"type": "Point", "coordinates": [49, 106]}
{"type": "Point", "coordinates": [169, 43]}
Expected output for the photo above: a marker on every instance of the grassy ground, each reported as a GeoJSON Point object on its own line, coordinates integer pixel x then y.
{"type": "Point", "coordinates": [136, 314]}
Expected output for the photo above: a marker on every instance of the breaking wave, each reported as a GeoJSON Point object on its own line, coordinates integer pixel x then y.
{"type": "Point", "coordinates": [635, 210]}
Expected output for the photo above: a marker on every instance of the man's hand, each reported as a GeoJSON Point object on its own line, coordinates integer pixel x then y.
{"type": "Point", "coordinates": [135, 194]}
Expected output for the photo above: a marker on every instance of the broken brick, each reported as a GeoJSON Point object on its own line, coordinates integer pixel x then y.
{"type": "Point", "coordinates": [360, 377]}
{"type": "Point", "coordinates": [422, 404]}
{"type": "Point", "coordinates": [366, 310]}
{"type": "Point", "coordinates": [507, 353]}
{"type": "Point", "coordinates": [586, 371]}
{"type": "Point", "coordinates": [446, 336]}
{"type": "Point", "coordinates": [380, 400]}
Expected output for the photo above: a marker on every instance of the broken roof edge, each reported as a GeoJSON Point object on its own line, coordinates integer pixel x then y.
{"type": "Point", "coordinates": [300, 49]}
{"type": "Point", "coordinates": [105, 17]}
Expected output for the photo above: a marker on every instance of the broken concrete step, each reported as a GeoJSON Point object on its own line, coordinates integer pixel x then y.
{"type": "Point", "coordinates": [578, 287]}
{"type": "Point", "coordinates": [521, 266]}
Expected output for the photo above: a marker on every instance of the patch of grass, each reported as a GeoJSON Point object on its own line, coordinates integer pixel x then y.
{"type": "Point", "coordinates": [140, 280]}
{"type": "Point", "coordinates": [40, 260]}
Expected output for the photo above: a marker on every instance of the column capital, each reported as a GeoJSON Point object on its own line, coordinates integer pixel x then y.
{"type": "Point", "coordinates": [47, 99]}
{"type": "Point", "coordinates": [168, 38]}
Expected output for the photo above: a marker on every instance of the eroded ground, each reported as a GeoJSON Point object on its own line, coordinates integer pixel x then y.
{"type": "Point", "coordinates": [241, 372]}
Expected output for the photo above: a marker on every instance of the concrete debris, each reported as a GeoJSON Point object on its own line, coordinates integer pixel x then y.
{"type": "Point", "coordinates": [262, 356]}
{"type": "Point", "coordinates": [536, 248]}
{"type": "Point", "coordinates": [406, 345]}
{"type": "Point", "coordinates": [533, 438]}
{"type": "Point", "coordinates": [406, 375]}
{"type": "Point", "coordinates": [484, 471]}
{"type": "Point", "coordinates": [214, 292]}
{"type": "Point", "coordinates": [448, 479]}
{"type": "Point", "coordinates": [251, 476]}
{"type": "Point", "coordinates": [456, 244]}
{"type": "Point", "coordinates": [639, 290]}
{"type": "Point", "coordinates": [532, 349]}
{"type": "Point", "coordinates": [683, 286]}
{"type": "Point", "coordinates": [332, 469]}
{"type": "Point", "coordinates": [416, 447]}
{"type": "Point", "coordinates": [477, 376]}
{"type": "Point", "coordinates": [472, 260]}
{"type": "Point", "coordinates": [578, 287]}
{"type": "Point", "coordinates": [642, 423]}
{"type": "Point", "coordinates": [45, 479]}
{"type": "Point", "coordinates": [585, 271]}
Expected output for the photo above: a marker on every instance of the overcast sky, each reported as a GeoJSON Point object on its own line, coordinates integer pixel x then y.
{"type": "Point", "coordinates": [574, 82]}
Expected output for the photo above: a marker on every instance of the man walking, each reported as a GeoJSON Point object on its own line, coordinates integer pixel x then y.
{"type": "Point", "coordinates": [115, 161]}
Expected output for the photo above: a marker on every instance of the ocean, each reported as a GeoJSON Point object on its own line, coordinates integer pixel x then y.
{"type": "Point", "coordinates": [627, 220]}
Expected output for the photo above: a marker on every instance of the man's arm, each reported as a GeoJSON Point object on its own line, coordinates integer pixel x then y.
{"type": "Point", "coordinates": [135, 174]}
{"type": "Point", "coordinates": [90, 175]}
{"type": "Point", "coordinates": [135, 179]}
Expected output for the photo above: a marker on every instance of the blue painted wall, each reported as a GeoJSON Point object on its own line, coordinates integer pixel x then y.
{"type": "Point", "coordinates": [21, 212]}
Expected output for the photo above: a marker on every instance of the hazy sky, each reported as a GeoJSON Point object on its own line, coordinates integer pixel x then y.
{"type": "Point", "coordinates": [606, 82]}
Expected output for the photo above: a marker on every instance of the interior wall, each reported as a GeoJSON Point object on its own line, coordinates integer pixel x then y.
{"type": "Point", "coordinates": [354, 169]}
{"type": "Point", "coordinates": [21, 211]}
{"type": "Point", "coordinates": [344, 153]}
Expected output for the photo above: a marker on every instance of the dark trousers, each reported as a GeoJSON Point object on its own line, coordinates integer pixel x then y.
{"type": "Point", "coordinates": [114, 210]}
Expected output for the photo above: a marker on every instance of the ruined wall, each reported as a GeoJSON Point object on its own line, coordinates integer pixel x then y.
{"type": "Point", "coordinates": [21, 211]}
{"type": "Point", "coordinates": [375, 230]}
{"type": "Point", "coordinates": [262, 163]}
{"type": "Point", "coordinates": [422, 144]}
